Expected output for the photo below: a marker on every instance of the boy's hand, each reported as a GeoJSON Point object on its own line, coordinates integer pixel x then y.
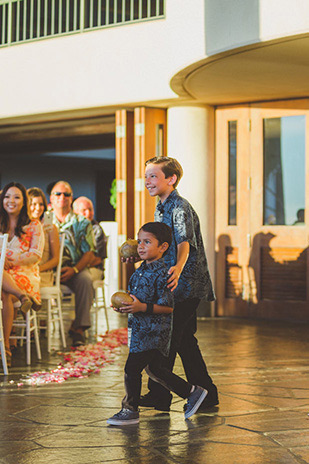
{"type": "Point", "coordinates": [135, 307]}
{"type": "Point", "coordinates": [118, 310]}
{"type": "Point", "coordinates": [174, 273]}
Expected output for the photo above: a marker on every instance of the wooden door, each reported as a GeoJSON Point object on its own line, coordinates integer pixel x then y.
{"type": "Point", "coordinates": [279, 261]}
{"type": "Point", "coordinates": [232, 200]}
{"type": "Point", "coordinates": [150, 141]}
{"type": "Point", "coordinates": [125, 185]}
{"type": "Point", "coordinates": [140, 135]}
{"type": "Point", "coordinates": [262, 258]}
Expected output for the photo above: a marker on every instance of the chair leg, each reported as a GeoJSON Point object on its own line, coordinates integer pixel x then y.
{"type": "Point", "coordinates": [105, 308]}
{"type": "Point", "coordinates": [36, 336]}
{"type": "Point", "coordinates": [58, 301]}
{"type": "Point", "coordinates": [2, 347]}
{"type": "Point", "coordinates": [49, 318]}
{"type": "Point", "coordinates": [3, 357]}
{"type": "Point", "coordinates": [22, 334]}
{"type": "Point", "coordinates": [96, 299]}
{"type": "Point", "coordinates": [28, 338]}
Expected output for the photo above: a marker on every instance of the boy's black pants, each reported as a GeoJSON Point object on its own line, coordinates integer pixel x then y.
{"type": "Point", "coordinates": [155, 364]}
{"type": "Point", "coordinates": [185, 344]}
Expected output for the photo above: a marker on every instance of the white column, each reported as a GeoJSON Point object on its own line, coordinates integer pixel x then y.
{"type": "Point", "coordinates": [190, 135]}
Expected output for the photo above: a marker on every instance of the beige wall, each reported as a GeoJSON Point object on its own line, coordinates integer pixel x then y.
{"type": "Point", "coordinates": [232, 24]}
{"type": "Point", "coordinates": [134, 63]}
{"type": "Point", "coordinates": [112, 66]}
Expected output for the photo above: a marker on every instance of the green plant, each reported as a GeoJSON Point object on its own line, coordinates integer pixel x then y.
{"type": "Point", "coordinates": [113, 197]}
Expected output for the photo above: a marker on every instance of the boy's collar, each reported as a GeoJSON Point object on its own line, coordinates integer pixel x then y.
{"type": "Point", "coordinates": [171, 196]}
{"type": "Point", "coordinates": [153, 264]}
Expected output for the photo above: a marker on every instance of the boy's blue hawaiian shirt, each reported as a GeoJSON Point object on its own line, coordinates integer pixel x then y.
{"type": "Point", "coordinates": [79, 237]}
{"type": "Point", "coordinates": [150, 331]}
{"type": "Point", "coordinates": [194, 281]}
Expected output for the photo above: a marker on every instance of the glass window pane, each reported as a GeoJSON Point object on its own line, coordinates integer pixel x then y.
{"type": "Point", "coordinates": [284, 170]}
{"type": "Point", "coordinates": [232, 219]}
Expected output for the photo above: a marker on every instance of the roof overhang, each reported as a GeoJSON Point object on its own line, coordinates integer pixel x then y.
{"type": "Point", "coordinates": [272, 70]}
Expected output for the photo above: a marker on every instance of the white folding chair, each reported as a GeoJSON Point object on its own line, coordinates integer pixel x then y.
{"type": "Point", "coordinates": [27, 323]}
{"type": "Point", "coordinates": [52, 296]}
{"type": "Point", "coordinates": [99, 302]}
{"type": "Point", "coordinates": [4, 239]}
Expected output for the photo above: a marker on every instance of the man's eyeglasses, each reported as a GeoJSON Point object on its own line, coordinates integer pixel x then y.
{"type": "Point", "coordinates": [58, 194]}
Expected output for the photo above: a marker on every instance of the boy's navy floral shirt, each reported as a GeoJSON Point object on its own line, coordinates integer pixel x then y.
{"type": "Point", "coordinates": [150, 331]}
{"type": "Point", "coordinates": [194, 281]}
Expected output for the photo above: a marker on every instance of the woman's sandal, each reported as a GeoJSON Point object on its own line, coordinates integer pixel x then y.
{"type": "Point", "coordinates": [26, 304]}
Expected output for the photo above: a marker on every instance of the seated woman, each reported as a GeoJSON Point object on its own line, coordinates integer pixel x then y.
{"type": "Point", "coordinates": [24, 251]}
{"type": "Point", "coordinates": [50, 258]}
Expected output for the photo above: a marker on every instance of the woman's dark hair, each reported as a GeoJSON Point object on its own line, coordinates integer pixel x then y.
{"type": "Point", "coordinates": [23, 218]}
{"type": "Point", "coordinates": [35, 192]}
{"type": "Point", "coordinates": [162, 232]}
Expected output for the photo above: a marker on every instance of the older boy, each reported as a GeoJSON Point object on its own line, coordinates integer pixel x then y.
{"type": "Point", "coordinates": [150, 323]}
{"type": "Point", "coordinates": [189, 279]}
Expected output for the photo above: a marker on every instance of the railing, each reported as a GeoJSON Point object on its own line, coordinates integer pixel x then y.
{"type": "Point", "coordinates": [24, 20]}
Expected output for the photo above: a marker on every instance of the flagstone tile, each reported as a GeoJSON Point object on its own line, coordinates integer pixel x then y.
{"type": "Point", "coordinates": [61, 415]}
{"type": "Point", "coordinates": [271, 421]}
{"type": "Point", "coordinates": [291, 438]}
{"type": "Point", "coordinates": [192, 452]}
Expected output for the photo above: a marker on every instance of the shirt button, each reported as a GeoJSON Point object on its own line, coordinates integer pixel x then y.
{"type": "Point", "coordinates": [140, 274]}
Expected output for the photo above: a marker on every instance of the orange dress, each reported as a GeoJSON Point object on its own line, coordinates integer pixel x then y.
{"type": "Point", "coordinates": [25, 253]}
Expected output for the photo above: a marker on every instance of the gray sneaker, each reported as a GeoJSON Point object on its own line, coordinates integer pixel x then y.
{"type": "Point", "coordinates": [194, 401]}
{"type": "Point", "coordinates": [124, 417]}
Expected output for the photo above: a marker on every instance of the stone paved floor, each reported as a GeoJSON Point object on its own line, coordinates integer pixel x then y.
{"type": "Point", "coordinates": [262, 373]}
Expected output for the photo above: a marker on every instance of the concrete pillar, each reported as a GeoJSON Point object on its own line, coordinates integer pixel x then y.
{"type": "Point", "coordinates": [190, 140]}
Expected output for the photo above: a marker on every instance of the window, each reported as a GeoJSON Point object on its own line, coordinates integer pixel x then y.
{"type": "Point", "coordinates": [232, 187]}
{"type": "Point", "coordinates": [22, 20]}
{"type": "Point", "coordinates": [284, 170]}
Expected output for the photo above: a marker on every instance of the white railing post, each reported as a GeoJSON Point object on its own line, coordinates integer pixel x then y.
{"type": "Point", "coordinates": [82, 15]}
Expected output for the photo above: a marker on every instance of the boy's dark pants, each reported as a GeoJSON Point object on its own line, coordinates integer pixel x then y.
{"type": "Point", "coordinates": [154, 363]}
{"type": "Point", "coordinates": [185, 344]}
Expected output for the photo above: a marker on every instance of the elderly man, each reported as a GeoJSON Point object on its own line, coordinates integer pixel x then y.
{"type": "Point", "coordinates": [84, 206]}
{"type": "Point", "coordinates": [78, 254]}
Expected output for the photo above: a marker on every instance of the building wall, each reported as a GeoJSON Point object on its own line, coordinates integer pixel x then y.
{"type": "Point", "coordinates": [232, 24]}
{"type": "Point", "coordinates": [134, 63]}
{"type": "Point", "coordinates": [112, 66]}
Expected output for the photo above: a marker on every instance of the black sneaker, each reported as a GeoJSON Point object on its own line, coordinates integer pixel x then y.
{"type": "Point", "coordinates": [124, 417]}
{"type": "Point", "coordinates": [210, 401]}
{"type": "Point", "coordinates": [150, 401]}
{"type": "Point", "coordinates": [194, 401]}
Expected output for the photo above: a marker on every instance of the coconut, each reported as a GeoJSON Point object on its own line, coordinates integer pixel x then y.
{"type": "Point", "coordinates": [120, 299]}
{"type": "Point", "coordinates": [129, 249]}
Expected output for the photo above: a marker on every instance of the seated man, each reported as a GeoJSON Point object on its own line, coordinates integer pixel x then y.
{"type": "Point", "coordinates": [84, 206]}
{"type": "Point", "coordinates": [78, 253]}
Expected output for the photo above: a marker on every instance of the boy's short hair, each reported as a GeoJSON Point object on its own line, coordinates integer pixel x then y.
{"type": "Point", "coordinates": [162, 232]}
{"type": "Point", "coordinates": [170, 166]}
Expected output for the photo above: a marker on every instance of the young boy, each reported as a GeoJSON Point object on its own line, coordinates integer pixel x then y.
{"type": "Point", "coordinates": [150, 325]}
{"type": "Point", "coordinates": [189, 279]}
